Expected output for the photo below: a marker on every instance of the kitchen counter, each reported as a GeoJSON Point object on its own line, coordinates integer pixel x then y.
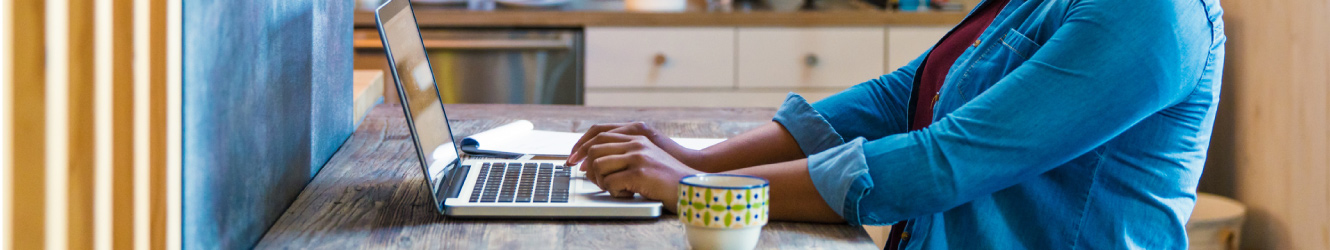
{"type": "Point", "coordinates": [747, 13]}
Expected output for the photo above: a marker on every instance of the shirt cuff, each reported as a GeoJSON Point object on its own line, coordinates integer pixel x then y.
{"type": "Point", "coordinates": [840, 175]}
{"type": "Point", "coordinates": [810, 130]}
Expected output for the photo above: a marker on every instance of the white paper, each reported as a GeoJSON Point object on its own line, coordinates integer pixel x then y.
{"type": "Point", "coordinates": [521, 137]}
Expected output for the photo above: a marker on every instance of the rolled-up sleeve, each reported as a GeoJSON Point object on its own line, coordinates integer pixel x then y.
{"type": "Point", "coordinates": [809, 128]}
{"type": "Point", "coordinates": [832, 161]}
{"type": "Point", "coordinates": [871, 109]}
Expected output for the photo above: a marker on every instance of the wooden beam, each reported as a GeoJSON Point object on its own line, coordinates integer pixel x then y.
{"type": "Point", "coordinates": [28, 133]}
{"type": "Point", "coordinates": [116, 125]}
{"type": "Point", "coordinates": [80, 143]}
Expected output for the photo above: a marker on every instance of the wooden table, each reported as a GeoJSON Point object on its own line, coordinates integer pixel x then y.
{"type": "Point", "coordinates": [370, 195]}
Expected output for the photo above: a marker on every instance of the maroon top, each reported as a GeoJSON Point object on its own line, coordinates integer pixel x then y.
{"type": "Point", "coordinates": [934, 74]}
{"type": "Point", "coordinates": [944, 55]}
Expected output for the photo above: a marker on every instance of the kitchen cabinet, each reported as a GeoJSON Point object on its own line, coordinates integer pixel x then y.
{"type": "Point", "coordinates": [741, 66]}
{"type": "Point", "coordinates": [809, 57]}
{"type": "Point", "coordinates": [660, 57]}
{"type": "Point", "coordinates": [904, 44]}
{"type": "Point", "coordinates": [691, 98]}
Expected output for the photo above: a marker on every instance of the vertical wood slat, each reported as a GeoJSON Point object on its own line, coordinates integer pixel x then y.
{"type": "Point", "coordinates": [28, 109]}
{"type": "Point", "coordinates": [164, 211]}
{"type": "Point", "coordinates": [123, 126]}
{"type": "Point", "coordinates": [80, 124]}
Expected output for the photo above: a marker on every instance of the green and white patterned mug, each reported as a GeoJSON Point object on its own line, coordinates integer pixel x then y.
{"type": "Point", "coordinates": [723, 211]}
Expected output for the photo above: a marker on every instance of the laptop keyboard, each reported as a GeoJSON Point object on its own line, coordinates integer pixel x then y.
{"type": "Point", "coordinates": [521, 182]}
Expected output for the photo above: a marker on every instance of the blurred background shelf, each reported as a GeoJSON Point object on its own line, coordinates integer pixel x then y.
{"type": "Point", "coordinates": [582, 13]}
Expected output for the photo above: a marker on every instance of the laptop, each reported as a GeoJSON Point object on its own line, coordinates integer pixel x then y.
{"type": "Point", "coordinates": [476, 187]}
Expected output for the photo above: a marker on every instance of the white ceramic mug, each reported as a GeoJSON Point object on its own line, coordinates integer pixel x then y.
{"type": "Point", "coordinates": [723, 211]}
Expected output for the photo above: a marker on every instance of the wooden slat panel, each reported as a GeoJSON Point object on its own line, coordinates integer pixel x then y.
{"type": "Point", "coordinates": [122, 126]}
{"type": "Point", "coordinates": [1270, 144]}
{"type": "Point", "coordinates": [80, 145]}
{"type": "Point", "coordinates": [28, 109]}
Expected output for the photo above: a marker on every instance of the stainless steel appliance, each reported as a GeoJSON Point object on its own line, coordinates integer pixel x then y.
{"type": "Point", "coordinates": [520, 66]}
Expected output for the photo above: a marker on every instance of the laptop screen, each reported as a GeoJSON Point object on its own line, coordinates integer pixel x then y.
{"type": "Point", "coordinates": [433, 138]}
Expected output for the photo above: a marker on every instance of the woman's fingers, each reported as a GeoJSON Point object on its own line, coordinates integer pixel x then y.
{"type": "Point", "coordinates": [592, 132]}
{"type": "Point", "coordinates": [630, 128]}
{"type": "Point", "coordinates": [616, 155]}
{"type": "Point", "coordinates": [623, 184]}
{"type": "Point", "coordinates": [597, 154]}
{"type": "Point", "coordinates": [609, 165]}
{"type": "Point", "coordinates": [602, 138]}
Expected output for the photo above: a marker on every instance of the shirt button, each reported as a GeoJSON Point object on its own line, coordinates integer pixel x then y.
{"type": "Point", "coordinates": [976, 43]}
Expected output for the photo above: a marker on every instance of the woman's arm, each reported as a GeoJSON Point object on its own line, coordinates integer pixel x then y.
{"type": "Point", "coordinates": [633, 164]}
{"type": "Point", "coordinates": [871, 109]}
{"type": "Point", "coordinates": [793, 196]}
{"type": "Point", "coordinates": [767, 144]}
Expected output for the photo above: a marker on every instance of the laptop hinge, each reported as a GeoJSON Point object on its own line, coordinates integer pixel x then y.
{"type": "Point", "coordinates": [452, 186]}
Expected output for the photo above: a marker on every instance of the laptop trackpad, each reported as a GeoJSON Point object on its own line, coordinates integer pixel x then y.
{"type": "Point", "coordinates": [588, 187]}
{"type": "Point", "coordinates": [590, 190]}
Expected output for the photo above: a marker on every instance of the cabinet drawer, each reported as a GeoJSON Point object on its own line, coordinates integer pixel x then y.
{"type": "Point", "coordinates": [692, 98]}
{"type": "Point", "coordinates": [659, 57]}
{"type": "Point", "coordinates": [909, 43]}
{"type": "Point", "coordinates": [810, 57]}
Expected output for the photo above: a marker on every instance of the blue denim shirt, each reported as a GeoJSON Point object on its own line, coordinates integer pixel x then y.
{"type": "Point", "coordinates": [1074, 124]}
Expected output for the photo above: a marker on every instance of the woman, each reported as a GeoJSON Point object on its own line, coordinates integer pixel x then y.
{"type": "Point", "coordinates": [1034, 124]}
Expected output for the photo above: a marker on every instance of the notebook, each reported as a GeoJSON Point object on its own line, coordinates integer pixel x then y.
{"type": "Point", "coordinates": [521, 137]}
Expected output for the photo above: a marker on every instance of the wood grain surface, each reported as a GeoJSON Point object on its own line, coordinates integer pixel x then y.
{"type": "Point", "coordinates": [371, 194]}
{"type": "Point", "coordinates": [1271, 144]}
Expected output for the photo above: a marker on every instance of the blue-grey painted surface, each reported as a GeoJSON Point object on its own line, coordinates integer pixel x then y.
{"type": "Point", "coordinates": [332, 90]}
{"type": "Point", "coordinates": [267, 97]}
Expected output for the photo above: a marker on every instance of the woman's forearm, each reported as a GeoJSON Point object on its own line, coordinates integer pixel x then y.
{"type": "Point", "coordinates": [767, 144]}
{"type": "Point", "coordinates": [793, 195]}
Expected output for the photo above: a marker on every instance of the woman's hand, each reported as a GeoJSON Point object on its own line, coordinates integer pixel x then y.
{"type": "Point", "coordinates": [624, 165]}
{"type": "Point", "coordinates": [688, 156]}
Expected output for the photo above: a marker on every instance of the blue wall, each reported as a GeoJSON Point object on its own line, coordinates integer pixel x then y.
{"type": "Point", "coordinates": [267, 100]}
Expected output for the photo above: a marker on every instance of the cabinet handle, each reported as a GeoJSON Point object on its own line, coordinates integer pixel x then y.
{"type": "Point", "coordinates": [659, 59]}
{"type": "Point", "coordinates": [810, 60]}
